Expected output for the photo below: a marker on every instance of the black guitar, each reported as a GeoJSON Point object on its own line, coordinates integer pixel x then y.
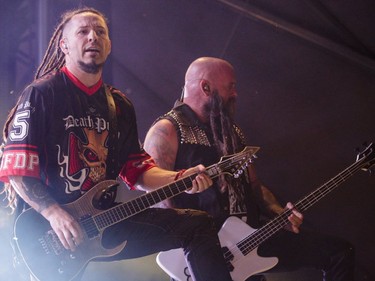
{"type": "Point", "coordinates": [42, 250]}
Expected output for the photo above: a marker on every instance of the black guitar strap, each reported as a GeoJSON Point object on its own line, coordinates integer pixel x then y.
{"type": "Point", "coordinates": [112, 157]}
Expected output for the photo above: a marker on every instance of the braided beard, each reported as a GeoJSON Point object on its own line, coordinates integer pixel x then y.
{"type": "Point", "coordinates": [221, 122]}
{"type": "Point", "coordinates": [220, 118]}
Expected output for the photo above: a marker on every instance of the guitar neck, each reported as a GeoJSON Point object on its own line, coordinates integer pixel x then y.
{"type": "Point", "coordinates": [315, 196]}
{"type": "Point", "coordinates": [130, 208]}
{"type": "Point", "coordinates": [139, 204]}
{"type": "Point", "coordinates": [255, 239]}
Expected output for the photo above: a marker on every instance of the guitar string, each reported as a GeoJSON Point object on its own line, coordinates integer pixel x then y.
{"type": "Point", "coordinates": [272, 227]}
{"type": "Point", "coordinates": [113, 215]}
{"type": "Point", "coordinates": [249, 243]}
{"type": "Point", "coordinates": [134, 208]}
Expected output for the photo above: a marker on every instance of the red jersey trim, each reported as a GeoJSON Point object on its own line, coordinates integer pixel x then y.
{"type": "Point", "coordinates": [134, 167]}
{"type": "Point", "coordinates": [88, 90]}
{"type": "Point", "coordinates": [19, 163]}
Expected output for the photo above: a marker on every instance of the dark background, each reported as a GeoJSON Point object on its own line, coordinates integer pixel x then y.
{"type": "Point", "coordinates": [306, 81]}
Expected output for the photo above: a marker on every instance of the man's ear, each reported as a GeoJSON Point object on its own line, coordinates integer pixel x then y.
{"type": "Point", "coordinates": [64, 46]}
{"type": "Point", "coordinates": [205, 87]}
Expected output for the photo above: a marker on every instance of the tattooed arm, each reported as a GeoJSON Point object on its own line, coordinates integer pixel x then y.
{"type": "Point", "coordinates": [270, 205]}
{"type": "Point", "coordinates": [161, 143]}
{"type": "Point", "coordinates": [36, 194]}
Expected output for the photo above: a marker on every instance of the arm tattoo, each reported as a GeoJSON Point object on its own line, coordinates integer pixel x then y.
{"type": "Point", "coordinates": [160, 148]}
{"type": "Point", "coordinates": [35, 193]}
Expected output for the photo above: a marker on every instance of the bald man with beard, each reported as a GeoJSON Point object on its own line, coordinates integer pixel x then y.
{"type": "Point", "coordinates": [200, 128]}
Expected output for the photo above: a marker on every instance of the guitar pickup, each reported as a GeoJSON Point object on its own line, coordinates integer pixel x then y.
{"type": "Point", "coordinates": [228, 256]}
{"type": "Point", "coordinates": [89, 225]}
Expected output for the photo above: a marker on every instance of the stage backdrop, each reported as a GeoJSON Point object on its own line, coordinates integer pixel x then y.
{"type": "Point", "coordinates": [306, 83]}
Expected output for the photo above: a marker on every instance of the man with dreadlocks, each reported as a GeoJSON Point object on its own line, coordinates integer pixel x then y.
{"type": "Point", "coordinates": [70, 131]}
{"type": "Point", "coordinates": [200, 129]}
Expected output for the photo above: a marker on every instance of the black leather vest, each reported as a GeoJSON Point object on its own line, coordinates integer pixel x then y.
{"type": "Point", "coordinates": [196, 146]}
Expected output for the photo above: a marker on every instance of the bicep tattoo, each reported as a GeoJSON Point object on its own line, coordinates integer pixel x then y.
{"type": "Point", "coordinates": [160, 145]}
{"type": "Point", "coordinates": [162, 151]}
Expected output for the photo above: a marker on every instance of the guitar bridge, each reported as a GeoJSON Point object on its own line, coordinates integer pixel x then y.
{"type": "Point", "coordinates": [228, 256]}
{"type": "Point", "coordinates": [51, 243]}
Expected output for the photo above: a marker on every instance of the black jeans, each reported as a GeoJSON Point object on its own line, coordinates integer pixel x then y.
{"type": "Point", "coordinates": [157, 230]}
{"type": "Point", "coordinates": [332, 255]}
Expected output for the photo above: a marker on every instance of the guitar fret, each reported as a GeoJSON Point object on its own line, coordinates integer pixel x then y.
{"type": "Point", "coordinates": [139, 204]}
{"type": "Point", "coordinates": [252, 241]}
{"type": "Point", "coordinates": [147, 199]}
{"type": "Point", "coordinates": [106, 218]}
{"type": "Point", "coordinates": [127, 209]}
{"type": "Point", "coordinates": [169, 192]}
{"type": "Point", "coordinates": [132, 207]}
{"type": "Point", "coordinates": [157, 193]}
{"type": "Point", "coordinates": [163, 195]}
{"type": "Point", "coordinates": [118, 212]}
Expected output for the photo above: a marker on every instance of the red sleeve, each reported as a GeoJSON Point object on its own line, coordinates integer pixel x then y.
{"type": "Point", "coordinates": [19, 160]}
{"type": "Point", "coordinates": [136, 165]}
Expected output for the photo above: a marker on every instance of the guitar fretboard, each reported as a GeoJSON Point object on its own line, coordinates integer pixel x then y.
{"type": "Point", "coordinates": [259, 236]}
{"type": "Point", "coordinates": [233, 165]}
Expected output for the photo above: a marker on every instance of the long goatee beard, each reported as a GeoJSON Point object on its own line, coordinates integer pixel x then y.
{"type": "Point", "coordinates": [221, 123]}
{"type": "Point", "coordinates": [91, 68]}
{"type": "Point", "coordinates": [227, 142]}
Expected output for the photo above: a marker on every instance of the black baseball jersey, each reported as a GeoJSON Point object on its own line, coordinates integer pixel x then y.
{"type": "Point", "coordinates": [60, 134]}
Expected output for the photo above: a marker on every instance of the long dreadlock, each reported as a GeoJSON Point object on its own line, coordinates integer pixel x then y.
{"type": "Point", "coordinates": [54, 59]}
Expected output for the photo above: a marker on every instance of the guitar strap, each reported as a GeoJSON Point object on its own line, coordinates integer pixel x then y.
{"type": "Point", "coordinates": [112, 157]}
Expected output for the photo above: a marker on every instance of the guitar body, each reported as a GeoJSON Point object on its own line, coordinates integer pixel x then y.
{"type": "Point", "coordinates": [240, 242]}
{"type": "Point", "coordinates": [174, 264]}
{"type": "Point", "coordinates": [43, 252]}
{"type": "Point", "coordinates": [243, 266]}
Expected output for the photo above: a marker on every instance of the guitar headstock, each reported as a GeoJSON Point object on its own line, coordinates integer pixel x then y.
{"type": "Point", "coordinates": [235, 164]}
{"type": "Point", "coordinates": [367, 156]}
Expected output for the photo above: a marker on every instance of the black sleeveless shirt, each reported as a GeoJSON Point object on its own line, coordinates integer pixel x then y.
{"type": "Point", "coordinates": [196, 146]}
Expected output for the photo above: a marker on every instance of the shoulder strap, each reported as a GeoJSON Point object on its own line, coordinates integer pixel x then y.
{"type": "Point", "coordinates": [113, 143]}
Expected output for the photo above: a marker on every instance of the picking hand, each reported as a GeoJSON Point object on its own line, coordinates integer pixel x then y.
{"type": "Point", "coordinates": [65, 226]}
{"type": "Point", "coordinates": [295, 219]}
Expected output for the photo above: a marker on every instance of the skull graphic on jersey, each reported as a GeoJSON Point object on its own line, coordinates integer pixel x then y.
{"type": "Point", "coordinates": [85, 164]}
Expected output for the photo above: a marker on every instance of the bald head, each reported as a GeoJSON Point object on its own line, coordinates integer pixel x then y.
{"type": "Point", "coordinates": [207, 68]}
{"type": "Point", "coordinates": [205, 78]}
{"type": "Point", "coordinates": [210, 91]}
{"type": "Point", "coordinates": [206, 74]}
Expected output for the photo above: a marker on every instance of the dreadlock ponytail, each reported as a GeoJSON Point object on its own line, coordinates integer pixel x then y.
{"type": "Point", "coordinates": [54, 58]}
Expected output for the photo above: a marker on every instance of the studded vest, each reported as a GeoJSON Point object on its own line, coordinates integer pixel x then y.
{"type": "Point", "coordinates": [196, 146]}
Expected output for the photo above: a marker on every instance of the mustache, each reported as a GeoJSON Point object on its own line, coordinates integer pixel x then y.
{"type": "Point", "coordinates": [217, 107]}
